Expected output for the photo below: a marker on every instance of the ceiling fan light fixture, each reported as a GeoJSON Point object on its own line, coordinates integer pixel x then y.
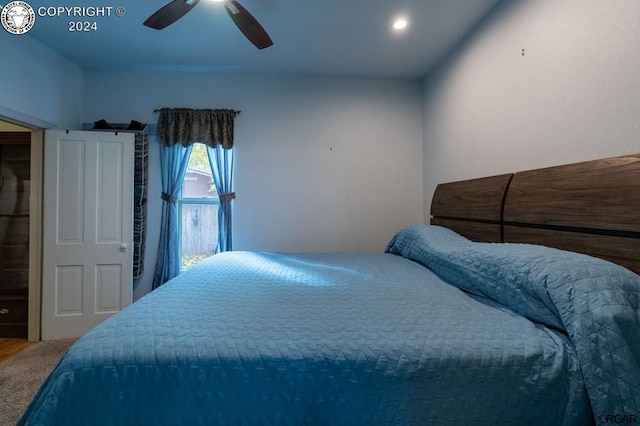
{"type": "Point", "coordinates": [246, 23]}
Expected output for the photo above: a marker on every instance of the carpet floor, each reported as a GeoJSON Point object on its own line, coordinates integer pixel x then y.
{"type": "Point", "coordinates": [22, 375]}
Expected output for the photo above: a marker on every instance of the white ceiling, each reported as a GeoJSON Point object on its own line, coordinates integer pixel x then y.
{"type": "Point", "coordinates": [311, 37]}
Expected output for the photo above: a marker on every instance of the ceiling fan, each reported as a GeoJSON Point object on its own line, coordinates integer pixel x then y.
{"type": "Point", "coordinates": [249, 26]}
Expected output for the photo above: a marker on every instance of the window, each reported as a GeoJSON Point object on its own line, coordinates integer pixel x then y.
{"type": "Point", "coordinates": [198, 210]}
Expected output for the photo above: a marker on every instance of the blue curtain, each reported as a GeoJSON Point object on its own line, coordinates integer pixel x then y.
{"type": "Point", "coordinates": [221, 162]}
{"type": "Point", "coordinates": [174, 160]}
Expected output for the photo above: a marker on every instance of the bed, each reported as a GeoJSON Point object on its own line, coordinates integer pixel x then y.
{"type": "Point", "coordinates": [518, 305]}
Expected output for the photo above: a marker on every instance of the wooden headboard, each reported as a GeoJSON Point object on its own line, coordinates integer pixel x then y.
{"type": "Point", "coordinates": [591, 207]}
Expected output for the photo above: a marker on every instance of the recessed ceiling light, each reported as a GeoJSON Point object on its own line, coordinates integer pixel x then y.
{"type": "Point", "coordinates": [400, 24]}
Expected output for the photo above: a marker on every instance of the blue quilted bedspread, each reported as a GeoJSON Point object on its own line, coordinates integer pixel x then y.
{"type": "Point", "coordinates": [596, 302]}
{"type": "Point", "coordinates": [260, 338]}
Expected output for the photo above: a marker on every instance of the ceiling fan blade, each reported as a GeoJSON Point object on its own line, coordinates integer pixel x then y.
{"type": "Point", "coordinates": [249, 26]}
{"type": "Point", "coordinates": [170, 13]}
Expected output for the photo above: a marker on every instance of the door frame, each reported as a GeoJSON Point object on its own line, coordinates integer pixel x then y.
{"type": "Point", "coordinates": [35, 222]}
{"type": "Point", "coordinates": [35, 236]}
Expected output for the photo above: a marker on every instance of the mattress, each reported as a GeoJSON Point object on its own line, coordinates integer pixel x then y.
{"type": "Point", "coordinates": [370, 338]}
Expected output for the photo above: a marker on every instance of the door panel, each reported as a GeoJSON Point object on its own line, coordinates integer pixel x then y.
{"type": "Point", "coordinates": [70, 189]}
{"type": "Point", "coordinates": [108, 288]}
{"type": "Point", "coordinates": [68, 294]}
{"type": "Point", "coordinates": [88, 228]}
{"type": "Point", "coordinates": [109, 192]}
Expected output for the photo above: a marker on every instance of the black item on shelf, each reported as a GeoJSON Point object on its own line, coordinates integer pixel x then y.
{"type": "Point", "coordinates": [105, 125]}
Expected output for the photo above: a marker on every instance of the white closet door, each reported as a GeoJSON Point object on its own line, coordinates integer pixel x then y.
{"type": "Point", "coordinates": [88, 230]}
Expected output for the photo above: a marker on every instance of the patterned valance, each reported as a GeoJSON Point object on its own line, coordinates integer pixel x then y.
{"type": "Point", "coordinates": [186, 126]}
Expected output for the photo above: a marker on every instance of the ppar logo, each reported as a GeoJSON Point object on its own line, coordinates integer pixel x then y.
{"type": "Point", "coordinates": [17, 17]}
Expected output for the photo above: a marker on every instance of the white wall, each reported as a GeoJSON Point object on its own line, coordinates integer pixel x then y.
{"type": "Point", "coordinates": [37, 85]}
{"type": "Point", "coordinates": [322, 164]}
{"type": "Point", "coordinates": [573, 96]}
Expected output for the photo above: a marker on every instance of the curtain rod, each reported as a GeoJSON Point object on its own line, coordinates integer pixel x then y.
{"type": "Point", "coordinates": [158, 110]}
